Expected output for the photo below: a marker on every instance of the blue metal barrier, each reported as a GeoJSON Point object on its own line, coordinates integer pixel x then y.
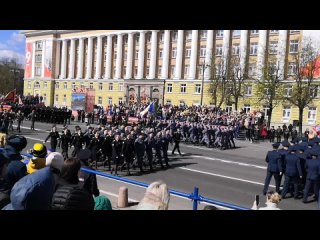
{"type": "Point", "coordinates": [195, 197]}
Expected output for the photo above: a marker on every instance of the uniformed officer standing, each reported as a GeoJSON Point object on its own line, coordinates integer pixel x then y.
{"type": "Point", "coordinates": [32, 117]}
{"type": "Point", "coordinates": [128, 152]}
{"type": "Point", "coordinates": [65, 139]}
{"type": "Point", "coordinates": [293, 172]}
{"type": "Point", "coordinates": [94, 146]}
{"type": "Point", "coordinates": [116, 153]}
{"type": "Point", "coordinates": [54, 136]}
{"type": "Point", "coordinates": [273, 159]}
{"type": "Point", "coordinates": [272, 134]}
{"type": "Point", "coordinates": [166, 139]}
{"type": "Point", "coordinates": [20, 118]}
{"type": "Point", "coordinates": [149, 146]}
{"type": "Point", "coordinates": [278, 134]}
{"type": "Point", "coordinates": [177, 138]}
{"type": "Point", "coordinates": [140, 148]}
{"type": "Point", "coordinates": [294, 134]}
{"type": "Point", "coordinates": [76, 141]}
{"type": "Point", "coordinates": [106, 148]}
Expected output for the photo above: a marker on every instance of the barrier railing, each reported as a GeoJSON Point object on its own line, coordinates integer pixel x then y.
{"type": "Point", "coordinates": [194, 196]}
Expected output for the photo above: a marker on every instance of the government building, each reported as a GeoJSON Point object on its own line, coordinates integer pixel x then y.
{"type": "Point", "coordinates": [172, 66]}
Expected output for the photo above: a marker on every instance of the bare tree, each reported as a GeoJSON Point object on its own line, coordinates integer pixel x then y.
{"type": "Point", "coordinates": [270, 88]}
{"type": "Point", "coordinates": [304, 88]}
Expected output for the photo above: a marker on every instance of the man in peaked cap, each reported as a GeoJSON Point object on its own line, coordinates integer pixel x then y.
{"type": "Point", "coordinates": [313, 175]}
{"type": "Point", "coordinates": [15, 144]}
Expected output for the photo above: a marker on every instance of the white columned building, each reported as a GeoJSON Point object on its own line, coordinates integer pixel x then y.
{"type": "Point", "coordinates": [72, 58]}
{"type": "Point", "coordinates": [194, 55]}
{"type": "Point", "coordinates": [282, 52]}
{"type": "Point", "coordinates": [243, 50]}
{"type": "Point", "coordinates": [108, 58]}
{"type": "Point", "coordinates": [209, 54]}
{"type": "Point", "coordinates": [179, 58]}
{"type": "Point", "coordinates": [261, 56]}
{"type": "Point", "coordinates": [81, 58]}
{"type": "Point", "coordinates": [141, 54]}
{"type": "Point", "coordinates": [129, 56]}
{"type": "Point", "coordinates": [165, 59]}
{"type": "Point", "coordinates": [89, 58]}
{"type": "Point", "coordinates": [119, 57]}
{"type": "Point", "coordinates": [64, 59]}
{"type": "Point", "coordinates": [226, 50]}
{"type": "Point", "coordinates": [153, 55]}
{"type": "Point", "coordinates": [99, 58]}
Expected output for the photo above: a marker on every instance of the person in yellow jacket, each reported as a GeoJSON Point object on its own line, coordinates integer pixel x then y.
{"type": "Point", "coordinates": [3, 137]}
{"type": "Point", "coordinates": [39, 158]}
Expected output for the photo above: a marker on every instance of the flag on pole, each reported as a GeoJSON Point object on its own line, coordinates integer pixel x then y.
{"type": "Point", "coordinates": [10, 97]}
{"type": "Point", "coordinates": [149, 109]}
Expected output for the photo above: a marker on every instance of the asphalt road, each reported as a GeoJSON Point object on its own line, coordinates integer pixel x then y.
{"type": "Point", "coordinates": [234, 176]}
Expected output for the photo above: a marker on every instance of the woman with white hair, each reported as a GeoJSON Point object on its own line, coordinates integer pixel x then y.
{"type": "Point", "coordinates": [157, 197]}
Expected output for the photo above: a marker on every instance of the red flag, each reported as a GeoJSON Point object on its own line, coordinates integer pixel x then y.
{"type": "Point", "coordinates": [10, 97]}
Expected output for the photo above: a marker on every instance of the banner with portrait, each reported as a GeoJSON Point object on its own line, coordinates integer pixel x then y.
{"type": "Point", "coordinates": [78, 101]}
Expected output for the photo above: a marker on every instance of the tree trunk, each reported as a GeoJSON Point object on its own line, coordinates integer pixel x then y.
{"type": "Point", "coordinates": [236, 104]}
{"type": "Point", "coordinates": [269, 118]}
{"type": "Point", "coordinates": [300, 120]}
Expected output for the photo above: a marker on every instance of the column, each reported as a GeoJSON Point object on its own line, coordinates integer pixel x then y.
{"type": "Point", "coordinates": [109, 57]}
{"type": "Point", "coordinates": [43, 58]}
{"type": "Point", "coordinates": [243, 50]}
{"type": "Point", "coordinates": [81, 58]}
{"type": "Point", "coordinates": [142, 39]}
{"type": "Point", "coordinates": [261, 56]}
{"type": "Point", "coordinates": [57, 64]}
{"type": "Point", "coordinates": [119, 56]}
{"type": "Point", "coordinates": [226, 50]}
{"type": "Point", "coordinates": [153, 57]}
{"type": "Point", "coordinates": [129, 56]}
{"type": "Point", "coordinates": [194, 55]}
{"type": "Point", "coordinates": [99, 58]}
{"type": "Point", "coordinates": [179, 55]}
{"type": "Point", "coordinates": [89, 58]}
{"type": "Point", "coordinates": [64, 59]}
{"type": "Point", "coordinates": [282, 52]}
{"type": "Point", "coordinates": [33, 58]}
{"type": "Point", "coordinates": [209, 54]}
{"type": "Point", "coordinates": [165, 59]}
{"type": "Point", "coordinates": [72, 58]}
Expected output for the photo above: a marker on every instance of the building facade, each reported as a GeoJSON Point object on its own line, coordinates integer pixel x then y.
{"type": "Point", "coordinates": [168, 65]}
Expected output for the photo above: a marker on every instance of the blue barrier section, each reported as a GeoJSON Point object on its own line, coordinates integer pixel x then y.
{"type": "Point", "coordinates": [195, 197]}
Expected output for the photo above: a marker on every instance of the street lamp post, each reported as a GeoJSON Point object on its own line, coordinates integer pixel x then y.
{"type": "Point", "coordinates": [203, 67]}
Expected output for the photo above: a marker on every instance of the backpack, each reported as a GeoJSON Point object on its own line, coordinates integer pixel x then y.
{"type": "Point", "coordinates": [72, 198]}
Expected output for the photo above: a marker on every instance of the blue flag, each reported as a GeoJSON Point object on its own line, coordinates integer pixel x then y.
{"type": "Point", "coordinates": [151, 108]}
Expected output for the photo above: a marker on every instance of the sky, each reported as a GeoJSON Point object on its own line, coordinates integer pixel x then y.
{"type": "Point", "coordinates": [12, 43]}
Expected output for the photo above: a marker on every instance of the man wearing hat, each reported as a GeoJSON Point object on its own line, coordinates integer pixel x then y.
{"type": "Point", "coordinates": [313, 175]}
{"type": "Point", "coordinates": [293, 172]}
{"type": "Point", "coordinates": [39, 158]}
{"type": "Point", "coordinates": [274, 165]}
{"type": "Point", "coordinates": [15, 144]}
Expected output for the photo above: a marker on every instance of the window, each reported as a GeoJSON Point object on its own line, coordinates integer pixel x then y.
{"type": "Point", "coordinates": [135, 71]}
{"type": "Point", "coordinates": [120, 100]}
{"type": "Point", "coordinates": [312, 113]}
{"type": "Point", "coordinates": [288, 91]}
{"type": "Point", "coordinates": [294, 31]}
{"type": "Point", "coordinates": [39, 45]}
{"type": "Point", "coordinates": [197, 89]}
{"type": "Point", "coordinates": [99, 100]}
{"type": "Point", "coordinates": [252, 69]}
{"type": "Point", "coordinates": [204, 34]}
{"type": "Point", "coordinates": [45, 85]}
{"type": "Point", "coordinates": [168, 102]}
{"type": "Point", "coordinates": [188, 35]}
{"type": "Point", "coordinates": [235, 49]}
{"type": "Point", "coordinates": [57, 97]}
{"type": "Point", "coordinates": [186, 70]}
{"type": "Point", "coordinates": [248, 90]}
{"type": "Point", "coordinates": [110, 101]}
{"type": "Point", "coordinates": [160, 53]}
{"type": "Point", "coordinates": [183, 88]}
{"type": "Point", "coordinates": [228, 109]}
{"type": "Point", "coordinates": [65, 85]}
{"type": "Point", "coordinates": [73, 85]}
{"type": "Point", "coordinates": [38, 58]}
{"type": "Point", "coordinates": [120, 87]}
{"type": "Point", "coordinates": [137, 54]}
{"type": "Point", "coordinates": [29, 85]}
{"type": "Point", "coordinates": [173, 70]}
{"type": "Point", "coordinates": [247, 108]}
{"type": "Point", "coordinates": [57, 85]}
{"type": "Point", "coordinates": [45, 98]}
{"type": "Point", "coordinates": [202, 52]}
{"type": "Point", "coordinates": [174, 52]}
{"type": "Point", "coordinates": [188, 52]}
{"type": "Point", "coordinates": [110, 86]}
{"type": "Point", "coordinates": [174, 36]}
{"type": "Point", "coordinates": [64, 99]}
{"type": "Point", "coordinates": [91, 85]}
{"type": "Point", "coordinates": [100, 86]}
{"type": "Point", "coordinates": [38, 71]}
{"type": "Point", "coordinates": [162, 37]}
{"type": "Point", "coordinates": [253, 48]}
{"type": "Point", "coordinates": [220, 33]}
{"type": "Point", "coordinates": [148, 53]}
{"type": "Point", "coordinates": [236, 33]}
{"type": "Point", "coordinates": [125, 55]}
{"type": "Point", "coordinates": [254, 32]}
{"type": "Point", "coordinates": [274, 31]}
{"type": "Point", "coordinates": [286, 114]}
{"type": "Point", "coordinates": [292, 68]}
{"type": "Point", "coordinates": [273, 47]}
{"type": "Point", "coordinates": [36, 85]}
{"type": "Point", "coordinates": [219, 50]}
{"type": "Point", "coordinates": [294, 45]}
{"type": "Point", "coordinates": [159, 70]}
{"type": "Point", "coordinates": [169, 88]}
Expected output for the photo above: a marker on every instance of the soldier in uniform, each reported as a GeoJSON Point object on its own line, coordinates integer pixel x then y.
{"type": "Point", "coordinates": [286, 134]}
{"type": "Point", "coordinates": [166, 139]}
{"type": "Point", "coordinates": [272, 134]}
{"type": "Point", "coordinates": [94, 146]}
{"type": "Point", "coordinates": [128, 152]}
{"type": "Point", "coordinates": [278, 134]}
{"type": "Point", "coordinates": [54, 136]}
{"type": "Point", "coordinates": [32, 117]}
{"type": "Point", "coordinates": [19, 117]}
{"type": "Point", "coordinates": [158, 147]}
{"type": "Point", "coordinates": [106, 148]}
{"type": "Point", "coordinates": [294, 134]}
{"type": "Point", "coordinates": [140, 149]}
{"type": "Point", "coordinates": [177, 138]}
{"type": "Point", "coordinates": [117, 153]}
{"type": "Point", "coordinates": [76, 141]}
{"type": "Point", "coordinates": [149, 146]}
{"type": "Point", "coordinates": [64, 142]}
{"type": "Point", "coordinates": [273, 159]}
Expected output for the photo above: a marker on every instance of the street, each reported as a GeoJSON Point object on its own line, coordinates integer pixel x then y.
{"type": "Point", "coordinates": [234, 176]}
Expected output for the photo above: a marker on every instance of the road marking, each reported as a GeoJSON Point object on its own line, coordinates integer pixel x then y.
{"type": "Point", "coordinates": [36, 129]}
{"type": "Point", "coordinates": [223, 176]}
{"type": "Point", "coordinates": [37, 139]}
{"type": "Point", "coordinates": [116, 195]}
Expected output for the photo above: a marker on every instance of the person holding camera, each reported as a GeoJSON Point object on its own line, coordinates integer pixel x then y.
{"type": "Point", "coordinates": [273, 199]}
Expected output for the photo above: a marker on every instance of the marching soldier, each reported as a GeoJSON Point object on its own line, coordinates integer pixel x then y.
{"type": "Point", "coordinates": [76, 141]}
{"type": "Point", "coordinates": [272, 134]}
{"type": "Point", "coordinates": [32, 116]}
{"type": "Point", "coordinates": [19, 117]}
{"type": "Point", "coordinates": [64, 142]}
{"type": "Point", "coordinates": [149, 146]}
{"type": "Point", "coordinates": [116, 153]}
{"type": "Point", "coordinates": [177, 138]}
{"type": "Point", "coordinates": [140, 148]}
{"type": "Point", "coordinates": [278, 134]}
{"type": "Point", "coordinates": [54, 136]}
{"type": "Point", "coordinates": [128, 152]}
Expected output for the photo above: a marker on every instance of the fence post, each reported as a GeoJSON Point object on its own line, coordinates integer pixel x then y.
{"type": "Point", "coordinates": [195, 198]}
